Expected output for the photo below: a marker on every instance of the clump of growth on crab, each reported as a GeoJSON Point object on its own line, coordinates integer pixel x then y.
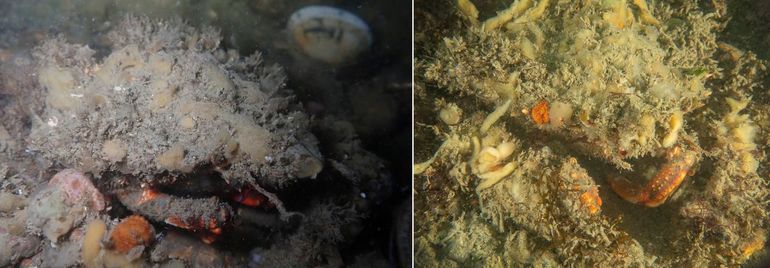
{"type": "Point", "coordinates": [165, 100]}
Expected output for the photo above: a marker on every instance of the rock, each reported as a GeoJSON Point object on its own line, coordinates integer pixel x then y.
{"type": "Point", "coordinates": [62, 204]}
{"type": "Point", "coordinates": [16, 247]}
{"type": "Point", "coordinates": [51, 216]}
{"type": "Point", "coordinates": [78, 189]}
{"type": "Point", "coordinates": [10, 202]}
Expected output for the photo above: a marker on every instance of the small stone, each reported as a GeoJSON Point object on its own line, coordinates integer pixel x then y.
{"type": "Point", "coordinates": [62, 204]}
{"type": "Point", "coordinates": [10, 202]}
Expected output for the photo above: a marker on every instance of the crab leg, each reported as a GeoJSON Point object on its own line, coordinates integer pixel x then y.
{"type": "Point", "coordinates": [662, 185]}
{"type": "Point", "coordinates": [285, 214]}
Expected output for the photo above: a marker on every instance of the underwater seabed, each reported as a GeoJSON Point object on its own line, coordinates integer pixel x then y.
{"type": "Point", "coordinates": [591, 133]}
{"type": "Point", "coordinates": [204, 133]}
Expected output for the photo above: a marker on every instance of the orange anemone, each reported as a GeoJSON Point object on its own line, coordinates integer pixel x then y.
{"type": "Point", "coordinates": [540, 113]}
{"type": "Point", "coordinates": [131, 232]}
{"type": "Point", "coordinates": [591, 200]}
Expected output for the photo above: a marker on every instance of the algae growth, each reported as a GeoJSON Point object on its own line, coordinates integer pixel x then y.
{"type": "Point", "coordinates": [589, 133]}
{"type": "Point", "coordinates": [189, 134]}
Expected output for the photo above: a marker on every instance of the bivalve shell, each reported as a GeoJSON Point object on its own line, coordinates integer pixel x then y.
{"type": "Point", "coordinates": [329, 34]}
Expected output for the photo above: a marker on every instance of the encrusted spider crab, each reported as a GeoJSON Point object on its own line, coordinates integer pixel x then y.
{"type": "Point", "coordinates": [161, 108]}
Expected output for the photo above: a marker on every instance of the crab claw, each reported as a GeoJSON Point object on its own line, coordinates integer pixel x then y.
{"type": "Point", "coordinates": [665, 182]}
{"type": "Point", "coordinates": [249, 197]}
{"type": "Point", "coordinates": [199, 215]}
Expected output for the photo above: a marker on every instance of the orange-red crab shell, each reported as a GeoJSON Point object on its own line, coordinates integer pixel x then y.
{"type": "Point", "coordinates": [662, 185]}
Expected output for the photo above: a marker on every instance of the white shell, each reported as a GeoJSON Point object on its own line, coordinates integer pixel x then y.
{"type": "Point", "coordinates": [329, 34]}
{"type": "Point", "coordinates": [505, 149]}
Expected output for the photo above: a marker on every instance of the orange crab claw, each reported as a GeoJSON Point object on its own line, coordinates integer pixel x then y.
{"type": "Point", "coordinates": [249, 197]}
{"type": "Point", "coordinates": [662, 185]}
{"type": "Point", "coordinates": [148, 194]}
{"type": "Point", "coordinates": [207, 233]}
